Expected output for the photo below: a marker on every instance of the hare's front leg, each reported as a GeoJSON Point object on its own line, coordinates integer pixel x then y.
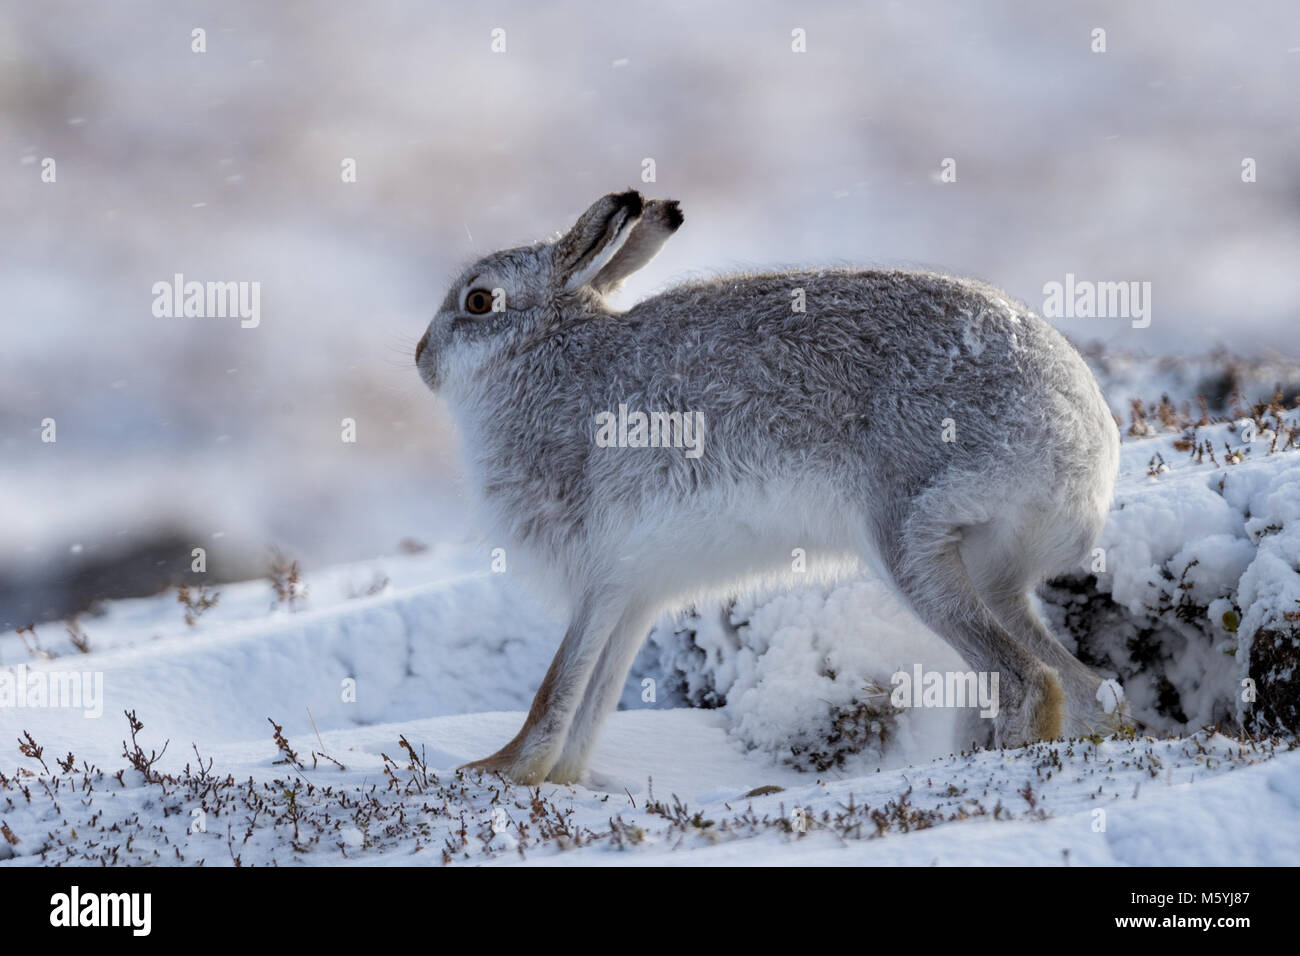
{"type": "Point", "coordinates": [529, 757]}
{"type": "Point", "coordinates": [603, 691]}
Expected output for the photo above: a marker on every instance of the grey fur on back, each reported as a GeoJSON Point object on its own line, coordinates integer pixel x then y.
{"type": "Point", "coordinates": [925, 424]}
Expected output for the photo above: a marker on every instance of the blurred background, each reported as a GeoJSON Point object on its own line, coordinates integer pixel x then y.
{"type": "Point", "coordinates": [174, 433]}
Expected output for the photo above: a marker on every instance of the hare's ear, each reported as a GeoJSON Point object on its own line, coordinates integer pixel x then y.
{"type": "Point", "coordinates": [595, 238]}
{"type": "Point", "coordinates": [659, 220]}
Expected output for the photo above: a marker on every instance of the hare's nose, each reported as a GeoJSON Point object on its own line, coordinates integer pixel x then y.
{"type": "Point", "coordinates": [419, 346]}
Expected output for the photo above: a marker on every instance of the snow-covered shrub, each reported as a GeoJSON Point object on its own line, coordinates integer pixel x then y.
{"type": "Point", "coordinates": [1200, 587]}
{"type": "Point", "coordinates": [804, 675]}
{"type": "Point", "coordinates": [687, 656]}
{"type": "Point", "coordinates": [1268, 636]}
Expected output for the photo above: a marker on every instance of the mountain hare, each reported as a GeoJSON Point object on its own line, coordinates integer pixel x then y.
{"type": "Point", "coordinates": [923, 424]}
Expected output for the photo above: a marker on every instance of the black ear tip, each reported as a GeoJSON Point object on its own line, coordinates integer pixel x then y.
{"type": "Point", "coordinates": [632, 202]}
{"type": "Point", "coordinates": [674, 211]}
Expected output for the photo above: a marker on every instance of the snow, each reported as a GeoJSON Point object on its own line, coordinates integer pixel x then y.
{"type": "Point", "coordinates": [1111, 695]}
{"type": "Point", "coordinates": [727, 762]}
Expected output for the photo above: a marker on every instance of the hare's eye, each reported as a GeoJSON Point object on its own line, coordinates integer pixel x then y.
{"type": "Point", "coordinates": [478, 301]}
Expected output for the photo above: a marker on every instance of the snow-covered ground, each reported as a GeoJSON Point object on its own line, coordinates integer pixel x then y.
{"type": "Point", "coordinates": [385, 675]}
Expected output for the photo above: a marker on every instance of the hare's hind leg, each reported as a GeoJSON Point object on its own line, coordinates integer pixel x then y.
{"type": "Point", "coordinates": [603, 691]}
{"type": "Point", "coordinates": [925, 563]}
{"type": "Point", "coordinates": [529, 757]}
{"type": "Point", "coordinates": [1083, 711]}
{"type": "Point", "coordinates": [1004, 566]}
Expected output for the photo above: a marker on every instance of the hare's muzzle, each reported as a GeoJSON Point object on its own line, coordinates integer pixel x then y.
{"type": "Point", "coordinates": [419, 346]}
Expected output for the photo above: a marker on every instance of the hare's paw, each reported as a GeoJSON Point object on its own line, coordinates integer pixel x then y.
{"type": "Point", "coordinates": [1049, 705]}
{"type": "Point", "coordinates": [510, 765]}
{"type": "Point", "coordinates": [1039, 714]}
{"type": "Point", "coordinates": [566, 773]}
